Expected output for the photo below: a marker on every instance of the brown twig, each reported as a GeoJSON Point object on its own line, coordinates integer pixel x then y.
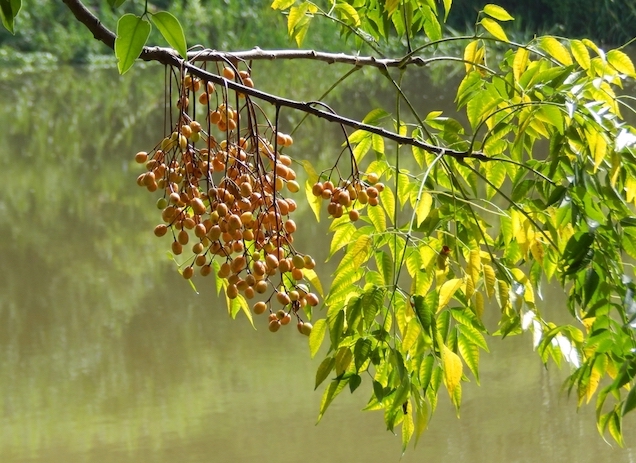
{"type": "Point", "coordinates": [169, 57]}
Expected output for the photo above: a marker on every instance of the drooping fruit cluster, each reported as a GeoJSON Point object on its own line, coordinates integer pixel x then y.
{"type": "Point", "coordinates": [348, 194]}
{"type": "Point", "coordinates": [224, 200]}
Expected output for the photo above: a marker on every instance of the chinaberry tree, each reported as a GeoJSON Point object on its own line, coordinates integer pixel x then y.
{"type": "Point", "coordinates": [433, 220]}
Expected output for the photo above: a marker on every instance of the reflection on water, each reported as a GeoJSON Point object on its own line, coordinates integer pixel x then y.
{"type": "Point", "coordinates": [109, 356]}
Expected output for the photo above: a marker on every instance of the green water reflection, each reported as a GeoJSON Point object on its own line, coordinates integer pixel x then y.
{"type": "Point", "coordinates": [109, 356]}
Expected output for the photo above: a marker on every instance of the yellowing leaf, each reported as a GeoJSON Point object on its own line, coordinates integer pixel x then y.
{"type": "Point", "coordinates": [621, 62]}
{"type": "Point", "coordinates": [474, 262]}
{"type": "Point", "coordinates": [470, 54]}
{"type": "Point", "coordinates": [555, 49]}
{"type": "Point", "coordinates": [346, 11]}
{"type": "Point", "coordinates": [497, 12]}
{"type": "Point", "coordinates": [407, 426]}
{"type": "Point", "coordinates": [479, 305]}
{"type": "Point", "coordinates": [520, 63]}
{"type": "Point", "coordinates": [580, 53]}
{"type": "Point", "coordinates": [296, 13]}
{"type": "Point", "coordinates": [312, 277]}
{"type": "Point", "coordinates": [316, 336]}
{"type": "Point", "coordinates": [600, 150]}
{"type": "Point", "coordinates": [282, 4]}
{"type": "Point", "coordinates": [423, 207]}
{"type": "Point", "coordinates": [447, 291]}
{"type": "Point", "coordinates": [314, 201]}
{"type": "Point", "coordinates": [494, 28]}
{"type": "Point", "coordinates": [452, 366]}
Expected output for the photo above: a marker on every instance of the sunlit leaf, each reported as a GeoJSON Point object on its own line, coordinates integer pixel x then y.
{"type": "Point", "coordinates": [348, 12]}
{"type": "Point", "coordinates": [580, 53]}
{"type": "Point", "coordinates": [556, 50]}
{"type": "Point", "coordinates": [494, 28]}
{"type": "Point", "coordinates": [470, 53]}
{"type": "Point", "coordinates": [330, 393]}
{"type": "Point", "coordinates": [447, 291]}
{"type": "Point", "coordinates": [621, 62]}
{"type": "Point", "coordinates": [453, 369]}
{"type": "Point", "coordinates": [423, 207]}
{"type": "Point", "coordinates": [520, 62]}
{"type": "Point", "coordinates": [497, 12]}
{"type": "Point", "coordinates": [132, 34]}
{"type": "Point", "coordinates": [407, 426]}
{"type": "Point", "coordinates": [470, 354]}
{"type": "Point", "coordinates": [171, 30]}
{"type": "Point", "coordinates": [316, 336]}
{"type": "Point", "coordinates": [282, 4]}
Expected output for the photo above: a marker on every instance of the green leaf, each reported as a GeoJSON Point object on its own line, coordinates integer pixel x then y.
{"type": "Point", "coordinates": [132, 34]}
{"type": "Point", "coordinates": [497, 12]}
{"type": "Point", "coordinates": [375, 116]}
{"type": "Point", "coordinates": [423, 311]}
{"type": "Point", "coordinates": [330, 393]}
{"type": "Point", "coordinates": [555, 49]}
{"type": "Point", "coordinates": [343, 359]}
{"type": "Point", "coordinates": [385, 266]}
{"type": "Point", "coordinates": [323, 370]}
{"type": "Point", "coordinates": [282, 4]}
{"type": "Point", "coordinates": [377, 217]}
{"type": "Point", "coordinates": [470, 354]}
{"type": "Point", "coordinates": [621, 62]}
{"type": "Point", "coordinates": [630, 401]}
{"type": "Point", "coordinates": [447, 7]}
{"type": "Point", "coordinates": [361, 352]}
{"type": "Point", "coordinates": [354, 382]}
{"type": "Point", "coordinates": [171, 30]}
{"type": "Point", "coordinates": [494, 28]}
{"type": "Point", "coordinates": [9, 9]}
{"type": "Point", "coordinates": [116, 3]}
{"type": "Point", "coordinates": [316, 337]}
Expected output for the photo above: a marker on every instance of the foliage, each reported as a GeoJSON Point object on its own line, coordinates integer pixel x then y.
{"type": "Point", "coordinates": [435, 219]}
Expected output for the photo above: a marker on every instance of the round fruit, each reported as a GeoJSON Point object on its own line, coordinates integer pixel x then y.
{"type": "Point", "coordinates": [161, 230]}
{"type": "Point", "coordinates": [188, 272]}
{"type": "Point", "coordinates": [274, 326]}
{"type": "Point", "coordinates": [306, 329]}
{"type": "Point", "coordinates": [259, 308]}
{"type": "Point", "coordinates": [141, 157]}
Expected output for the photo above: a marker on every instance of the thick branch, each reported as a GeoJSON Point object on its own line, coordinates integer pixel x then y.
{"type": "Point", "coordinates": [169, 57]}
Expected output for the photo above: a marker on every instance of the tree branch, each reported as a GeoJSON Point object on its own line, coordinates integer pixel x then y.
{"type": "Point", "coordinates": [169, 57]}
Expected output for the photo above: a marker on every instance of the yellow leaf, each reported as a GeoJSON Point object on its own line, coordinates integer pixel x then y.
{"type": "Point", "coordinates": [497, 12]}
{"type": "Point", "coordinates": [520, 63]}
{"type": "Point", "coordinates": [600, 150]}
{"type": "Point", "coordinates": [474, 262]}
{"type": "Point", "coordinates": [580, 53]}
{"type": "Point", "coordinates": [470, 55]}
{"type": "Point", "coordinates": [479, 305]}
{"type": "Point", "coordinates": [536, 249]}
{"type": "Point", "coordinates": [621, 62]}
{"type": "Point", "coordinates": [630, 190]}
{"type": "Point", "coordinates": [494, 28]}
{"type": "Point", "coordinates": [423, 207]}
{"type": "Point", "coordinates": [489, 279]}
{"type": "Point", "coordinates": [312, 277]}
{"type": "Point", "coordinates": [452, 366]}
{"type": "Point", "coordinates": [447, 290]}
{"type": "Point", "coordinates": [470, 287]}
{"type": "Point", "coordinates": [555, 49]}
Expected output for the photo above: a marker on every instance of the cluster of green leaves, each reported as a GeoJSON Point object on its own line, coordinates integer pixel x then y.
{"type": "Point", "coordinates": [539, 187]}
{"type": "Point", "coordinates": [133, 32]}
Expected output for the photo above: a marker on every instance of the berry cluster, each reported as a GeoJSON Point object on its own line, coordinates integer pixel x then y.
{"type": "Point", "coordinates": [348, 194]}
{"type": "Point", "coordinates": [225, 201]}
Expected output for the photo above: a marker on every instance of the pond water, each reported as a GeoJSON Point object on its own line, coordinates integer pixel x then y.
{"type": "Point", "coordinates": [108, 355]}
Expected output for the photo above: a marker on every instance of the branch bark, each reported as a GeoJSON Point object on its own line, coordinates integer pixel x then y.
{"type": "Point", "coordinates": [169, 57]}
